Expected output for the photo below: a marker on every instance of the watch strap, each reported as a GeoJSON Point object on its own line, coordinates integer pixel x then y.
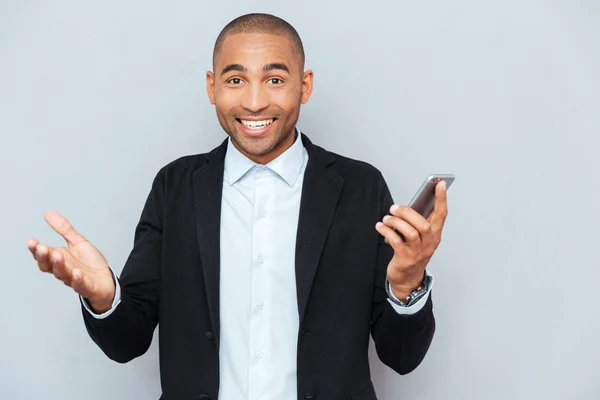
{"type": "Point", "coordinates": [414, 296]}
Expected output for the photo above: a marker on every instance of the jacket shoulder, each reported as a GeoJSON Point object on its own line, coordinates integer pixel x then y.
{"type": "Point", "coordinates": [179, 170]}
{"type": "Point", "coordinates": [190, 162]}
{"type": "Point", "coordinates": [352, 168]}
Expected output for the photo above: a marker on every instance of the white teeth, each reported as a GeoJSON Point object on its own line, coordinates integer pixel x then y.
{"type": "Point", "coordinates": [256, 124]}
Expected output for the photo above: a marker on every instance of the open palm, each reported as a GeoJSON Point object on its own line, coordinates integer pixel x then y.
{"type": "Point", "coordinates": [79, 265]}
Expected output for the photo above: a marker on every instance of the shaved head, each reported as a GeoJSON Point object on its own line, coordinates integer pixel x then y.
{"type": "Point", "coordinates": [262, 24]}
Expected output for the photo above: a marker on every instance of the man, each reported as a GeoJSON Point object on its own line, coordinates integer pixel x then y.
{"type": "Point", "coordinates": [267, 261]}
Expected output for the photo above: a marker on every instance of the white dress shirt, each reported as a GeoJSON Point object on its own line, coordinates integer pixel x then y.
{"type": "Point", "coordinates": [258, 304]}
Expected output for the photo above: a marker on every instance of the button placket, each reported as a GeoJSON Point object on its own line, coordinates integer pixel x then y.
{"type": "Point", "coordinates": [259, 324]}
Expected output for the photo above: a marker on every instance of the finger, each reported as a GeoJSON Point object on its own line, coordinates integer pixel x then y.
{"type": "Point", "coordinates": [411, 216]}
{"type": "Point", "coordinates": [440, 208]}
{"type": "Point", "coordinates": [80, 283]}
{"type": "Point", "coordinates": [32, 245]}
{"type": "Point", "coordinates": [412, 237]}
{"type": "Point", "coordinates": [41, 255]}
{"type": "Point", "coordinates": [392, 237]}
{"type": "Point", "coordinates": [63, 227]}
{"type": "Point", "coordinates": [59, 266]}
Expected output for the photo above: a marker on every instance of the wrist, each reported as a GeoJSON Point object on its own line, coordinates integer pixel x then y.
{"type": "Point", "coordinates": [402, 288]}
{"type": "Point", "coordinates": [406, 294]}
{"type": "Point", "coordinates": [400, 293]}
{"type": "Point", "coordinates": [104, 302]}
{"type": "Point", "coordinates": [100, 307]}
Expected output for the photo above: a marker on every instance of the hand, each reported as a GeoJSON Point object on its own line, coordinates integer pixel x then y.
{"type": "Point", "coordinates": [423, 236]}
{"type": "Point", "coordinates": [79, 265]}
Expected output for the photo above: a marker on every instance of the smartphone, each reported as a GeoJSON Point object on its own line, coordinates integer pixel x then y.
{"type": "Point", "coordinates": [424, 200]}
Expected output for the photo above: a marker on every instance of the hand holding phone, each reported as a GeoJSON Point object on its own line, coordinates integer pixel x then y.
{"type": "Point", "coordinates": [413, 239]}
{"type": "Point", "coordinates": [424, 200]}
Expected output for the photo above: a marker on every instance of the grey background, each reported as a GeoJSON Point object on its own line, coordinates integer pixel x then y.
{"type": "Point", "coordinates": [96, 96]}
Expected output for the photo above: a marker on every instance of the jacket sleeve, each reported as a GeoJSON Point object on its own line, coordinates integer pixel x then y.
{"type": "Point", "coordinates": [401, 341]}
{"type": "Point", "coordinates": [127, 332]}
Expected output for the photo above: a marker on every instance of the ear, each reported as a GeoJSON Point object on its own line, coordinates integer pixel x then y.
{"type": "Point", "coordinates": [210, 86]}
{"type": "Point", "coordinates": [307, 86]}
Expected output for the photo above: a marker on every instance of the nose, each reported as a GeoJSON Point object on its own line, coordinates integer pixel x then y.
{"type": "Point", "coordinates": [254, 98]}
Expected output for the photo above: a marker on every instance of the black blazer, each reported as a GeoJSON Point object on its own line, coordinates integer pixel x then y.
{"type": "Point", "coordinates": [171, 277]}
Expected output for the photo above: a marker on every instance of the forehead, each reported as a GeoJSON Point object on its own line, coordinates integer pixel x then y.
{"type": "Point", "coordinates": [254, 50]}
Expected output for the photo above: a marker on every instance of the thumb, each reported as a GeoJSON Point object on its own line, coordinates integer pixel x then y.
{"type": "Point", "coordinates": [63, 227]}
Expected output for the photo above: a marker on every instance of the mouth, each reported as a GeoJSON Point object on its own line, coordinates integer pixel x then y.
{"type": "Point", "coordinates": [256, 127]}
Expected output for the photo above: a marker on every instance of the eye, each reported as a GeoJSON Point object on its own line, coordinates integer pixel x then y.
{"type": "Point", "coordinates": [275, 81]}
{"type": "Point", "coordinates": [235, 81]}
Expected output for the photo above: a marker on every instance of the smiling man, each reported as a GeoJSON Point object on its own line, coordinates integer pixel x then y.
{"type": "Point", "coordinates": [267, 262]}
{"type": "Point", "coordinates": [258, 84]}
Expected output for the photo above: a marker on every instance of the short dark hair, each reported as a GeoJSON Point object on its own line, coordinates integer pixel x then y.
{"type": "Point", "coordinates": [261, 23]}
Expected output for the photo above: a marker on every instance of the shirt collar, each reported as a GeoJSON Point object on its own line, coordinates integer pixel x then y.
{"type": "Point", "coordinates": [287, 165]}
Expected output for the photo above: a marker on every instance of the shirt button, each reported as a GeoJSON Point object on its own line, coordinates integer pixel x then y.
{"type": "Point", "coordinates": [259, 354]}
{"type": "Point", "coordinates": [262, 214]}
{"type": "Point", "coordinates": [261, 306]}
{"type": "Point", "coordinates": [261, 260]}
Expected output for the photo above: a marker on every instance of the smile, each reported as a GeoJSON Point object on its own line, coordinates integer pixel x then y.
{"type": "Point", "coordinates": [256, 124]}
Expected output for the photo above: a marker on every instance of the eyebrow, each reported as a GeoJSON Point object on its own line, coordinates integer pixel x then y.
{"type": "Point", "coordinates": [233, 67]}
{"type": "Point", "coordinates": [266, 68]}
{"type": "Point", "coordinates": [272, 66]}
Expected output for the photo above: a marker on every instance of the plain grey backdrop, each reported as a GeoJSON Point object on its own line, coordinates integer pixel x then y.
{"type": "Point", "coordinates": [96, 96]}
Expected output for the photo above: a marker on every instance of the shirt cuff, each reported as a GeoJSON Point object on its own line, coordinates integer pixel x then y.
{"type": "Point", "coordinates": [414, 308]}
{"type": "Point", "coordinates": [115, 303]}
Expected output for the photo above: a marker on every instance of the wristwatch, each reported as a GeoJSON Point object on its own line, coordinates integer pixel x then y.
{"type": "Point", "coordinates": [414, 296]}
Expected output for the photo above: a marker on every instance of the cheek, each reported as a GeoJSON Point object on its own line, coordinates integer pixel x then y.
{"type": "Point", "coordinates": [288, 100]}
{"type": "Point", "coordinates": [223, 115]}
{"type": "Point", "coordinates": [226, 97]}
{"type": "Point", "coordinates": [224, 103]}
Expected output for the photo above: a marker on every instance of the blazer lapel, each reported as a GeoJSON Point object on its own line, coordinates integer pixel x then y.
{"type": "Point", "coordinates": [208, 191]}
{"type": "Point", "coordinates": [320, 193]}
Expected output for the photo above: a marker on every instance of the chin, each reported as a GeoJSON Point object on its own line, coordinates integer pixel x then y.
{"type": "Point", "coordinates": [254, 147]}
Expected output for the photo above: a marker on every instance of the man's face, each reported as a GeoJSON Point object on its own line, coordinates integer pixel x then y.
{"type": "Point", "coordinates": [257, 87]}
